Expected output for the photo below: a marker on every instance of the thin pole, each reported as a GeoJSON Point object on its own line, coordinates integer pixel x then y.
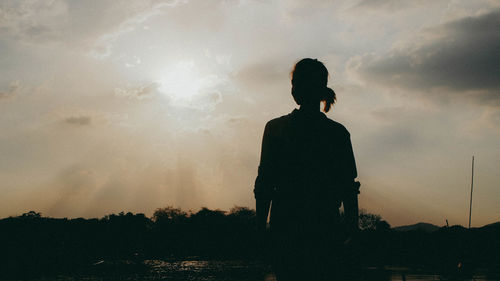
{"type": "Point", "coordinates": [471, 189]}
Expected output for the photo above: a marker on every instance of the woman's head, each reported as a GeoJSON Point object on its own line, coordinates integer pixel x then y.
{"type": "Point", "coordinates": [309, 80]}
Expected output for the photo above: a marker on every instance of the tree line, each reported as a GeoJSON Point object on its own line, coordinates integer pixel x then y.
{"type": "Point", "coordinates": [34, 244]}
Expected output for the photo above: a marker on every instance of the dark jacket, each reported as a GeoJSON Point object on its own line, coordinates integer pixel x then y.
{"type": "Point", "coordinates": [306, 167]}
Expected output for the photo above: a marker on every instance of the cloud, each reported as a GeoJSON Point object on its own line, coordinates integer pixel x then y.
{"type": "Point", "coordinates": [140, 92]}
{"type": "Point", "coordinates": [88, 27]}
{"type": "Point", "coordinates": [460, 57]}
{"type": "Point", "coordinates": [387, 5]}
{"type": "Point", "coordinates": [103, 44]}
{"type": "Point", "coordinates": [266, 72]}
{"type": "Point", "coordinates": [33, 20]}
{"type": "Point", "coordinates": [78, 120]}
{"type": "Point", "coordinates": [11, 91]}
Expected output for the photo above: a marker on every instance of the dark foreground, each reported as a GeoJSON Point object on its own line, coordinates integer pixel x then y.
{"type": "Point", "coordinates": [218, 270]}
{"type": "Point", "coordinates": [135, 247]}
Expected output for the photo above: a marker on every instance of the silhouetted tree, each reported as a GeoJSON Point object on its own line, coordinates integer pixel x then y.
{"type": "Point", "coordinates": [31, 215]}
{"type": "Point", "coordinates": [169, 215]}
{"type": "Point", "coordinates": [368, 221]}
{"type": "Point", "coordinates": [242, 212]}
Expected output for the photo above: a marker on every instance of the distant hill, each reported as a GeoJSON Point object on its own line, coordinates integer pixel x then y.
{"type": "Point", "coordinates": [495, 225]}
{"type": "Point", "coordinates": [426, 227]}
{"type": "Point", "coordinates": [492, 228]}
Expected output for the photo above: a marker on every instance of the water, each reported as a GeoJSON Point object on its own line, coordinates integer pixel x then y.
{"type": "Point", "coordinates": [244, 270]}
{"type": "Point", "coordinates": [231, 270]}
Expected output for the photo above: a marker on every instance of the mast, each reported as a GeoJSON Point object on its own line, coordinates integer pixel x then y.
{"type": "Point", "coordinates": [471, 190]}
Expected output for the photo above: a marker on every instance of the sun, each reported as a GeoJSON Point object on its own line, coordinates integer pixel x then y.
{"type": "Point", "coordinates": [186, 85]}
{"type": "Point", "coordinates": [181, 82]}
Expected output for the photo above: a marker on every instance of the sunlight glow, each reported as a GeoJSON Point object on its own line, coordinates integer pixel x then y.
{"type": "Point", "coordinates": [182, 82]}
{"type": "Point", "coordinates": [186, 86]}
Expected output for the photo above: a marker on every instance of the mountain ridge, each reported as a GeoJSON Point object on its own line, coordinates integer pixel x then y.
{"type": "Point", "coordinates": [422, 226]}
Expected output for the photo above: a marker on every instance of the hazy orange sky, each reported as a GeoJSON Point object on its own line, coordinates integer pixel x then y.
{"type": "Point", "coordinates": [134, 105]}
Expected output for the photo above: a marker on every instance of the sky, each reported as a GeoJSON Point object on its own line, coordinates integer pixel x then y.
{"type": "Point", "coordinates": [109, 106]}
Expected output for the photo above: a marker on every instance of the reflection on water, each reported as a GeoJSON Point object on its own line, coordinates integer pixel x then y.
{"type": "Point", "coordinates": [209, 270]}
{"type": "Point", "coordinates": [213, 270]}
{"type": "Point", "coordinates": [245, 270]}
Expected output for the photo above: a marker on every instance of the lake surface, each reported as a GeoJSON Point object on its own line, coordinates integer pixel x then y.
{"type": "Point", "coordinates": [234, 270]}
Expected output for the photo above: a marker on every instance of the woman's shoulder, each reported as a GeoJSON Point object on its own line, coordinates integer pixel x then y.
{"type": "Point", "coordinates": [277, 125]}
{"type": "Point", "coordinates": [285, 121]}
{"type": "Point", "coordinates": [278, 121]}
{"type": "Point", "coordinates": [337, 127]}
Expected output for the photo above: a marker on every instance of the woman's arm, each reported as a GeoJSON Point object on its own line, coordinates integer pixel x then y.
{"type": "Point", "coordinates": [262, 207]}
{"type": "Point", "coordinates": [350, 200]}
{"type": "Point", "coordinates": [264, 184]}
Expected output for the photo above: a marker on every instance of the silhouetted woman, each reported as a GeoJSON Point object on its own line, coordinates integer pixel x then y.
{"type": "Point", "coordinates": [306, 172]}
